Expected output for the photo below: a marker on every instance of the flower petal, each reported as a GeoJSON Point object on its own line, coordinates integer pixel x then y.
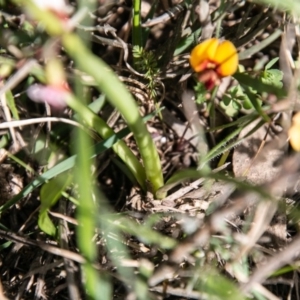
{"type": "Point", "coordinates": [226, 58]}
{"type": "Point", "coordinates": [294, 135]}
{"type": "Point", "coordinates": [59, 7]}
{"type": "Point", "coordinates": [296, 119]}
{"type": "Point", "coordinates": [53, 96]}
{"type": "Point", "coordinates": [203, 53]}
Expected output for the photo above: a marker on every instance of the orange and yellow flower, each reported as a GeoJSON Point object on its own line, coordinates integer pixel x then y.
{"type": "Point", "coordinates": [212, 60]}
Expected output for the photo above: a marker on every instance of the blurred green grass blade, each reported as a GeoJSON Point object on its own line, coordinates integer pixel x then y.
{"type": "Point", "coordinates": [97, 284]}
{"type": "Point", "coordinates": [291, 6]}
{"type": "Point", "coordinates": [143, 233]}
{"type": "Point", "coordinates": [214, 289]}
{"type": "Point", "coordinates": [189, 174]}
{"type": "Point", "coordinates": [285, 270]}
{"type": "Point", "coordinates": [256, 104]}
{"type": "Point", "coordinates": [116, 247]}
{"type": "Point", "coordinates": [86, 230]}
{"type": "Point", "coordinates": [264, 43]}
{"type": "Point", "coordinates": [117, 250]}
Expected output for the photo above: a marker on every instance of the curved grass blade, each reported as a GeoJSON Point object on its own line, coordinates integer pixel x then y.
{"type": "Point", "coordinates": [119, 97]}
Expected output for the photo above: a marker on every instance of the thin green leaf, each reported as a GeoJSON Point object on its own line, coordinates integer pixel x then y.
{"type": "Point", "coordinates": [256, 104]}
{"type": "Point", "coordinates": [187, 42]}
{"type": "Point", "coordinates": [143, 233]}
{"type": "Point", "coordinates": [207, 284]}
{"type": "Point", "coordinates": [271, 63]}
{"type": "Point", "coordinates": [10, 100]}
{"type": "Point", "coordinates": [50, 193]}
{"type": "Point", "coordinates": [258, 47]}
{"type": "Point", "coordinates": [188, 174]}
{"type": "Point", "coordinates": [46, 224]}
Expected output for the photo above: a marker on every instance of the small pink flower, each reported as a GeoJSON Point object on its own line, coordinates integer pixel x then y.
{"type": "Point", "coordinates": [55, 96]}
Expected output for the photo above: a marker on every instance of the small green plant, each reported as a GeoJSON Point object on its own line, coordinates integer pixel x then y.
{"type": "Point", "coordinates": [200, 91]}
{"type": "Point", "coordinates": [241, 97]}
{"type": "Point", "coordinates": [271, 76]}
{"type": "Point", "coordinates": [146, 62]}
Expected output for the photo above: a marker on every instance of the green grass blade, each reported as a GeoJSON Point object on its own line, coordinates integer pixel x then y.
{"type": "Point", "coordinates": [12, 105]}
{"type": "Point", "coordinates": [120, 148]}
{"type": "Point", "coordinates": [86, 230]}
{"type": "Point", "coordinates": [291, 6]}
{"type": "Point", "coordinates": [137, 38]}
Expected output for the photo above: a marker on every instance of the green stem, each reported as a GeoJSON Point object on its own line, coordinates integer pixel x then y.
{"type": "Point", "coordinates": [120, 98]}
{"type": "Point", "coordinates": [137, 29]}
